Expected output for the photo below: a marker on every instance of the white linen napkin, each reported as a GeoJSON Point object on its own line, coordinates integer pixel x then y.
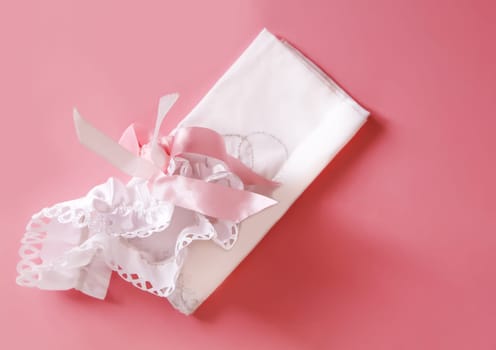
{"type": "Point", "coordinates": [166, 232]}
{"type": "Point", "coordinates": [283, 117]}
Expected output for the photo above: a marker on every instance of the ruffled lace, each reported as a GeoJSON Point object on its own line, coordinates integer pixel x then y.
{"type": "Point", "coordinates": [124, 228]}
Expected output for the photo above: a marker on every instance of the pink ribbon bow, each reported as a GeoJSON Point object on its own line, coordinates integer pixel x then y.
{"type": "Point", "coordinates": [149, 160]}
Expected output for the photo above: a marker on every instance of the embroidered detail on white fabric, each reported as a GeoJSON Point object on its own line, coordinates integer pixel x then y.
{"type": "Point", "coordinates": [256, 149]}
{"type": "Point", "coordinates": [184, 299]}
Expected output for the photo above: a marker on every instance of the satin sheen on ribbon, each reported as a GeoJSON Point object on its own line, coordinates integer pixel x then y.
{"type": "Point", "coordinates": [207, 142]}
{"type": "Point", "coordinates": [207, 198]}
{"type": "Point", "coordinates": [114, 153]}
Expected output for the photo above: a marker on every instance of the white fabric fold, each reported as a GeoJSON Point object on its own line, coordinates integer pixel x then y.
{"type": "Point", "coordinates": [284, 117]}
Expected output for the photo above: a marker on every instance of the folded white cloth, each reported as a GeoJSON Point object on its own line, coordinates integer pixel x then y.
{"type": "Point", "coordinates": [277, 112]}
{"type": "Point", "coordinates": [283, 117]}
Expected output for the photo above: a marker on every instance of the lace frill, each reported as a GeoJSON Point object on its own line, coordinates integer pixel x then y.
{"type": "Point", "coordinates": [124, 228]}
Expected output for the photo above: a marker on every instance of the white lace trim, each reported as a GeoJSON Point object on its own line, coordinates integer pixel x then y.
{"type": "Point", "coordinates": [134, 234]}
{"type": "Point", "coordinates": [29, 252]}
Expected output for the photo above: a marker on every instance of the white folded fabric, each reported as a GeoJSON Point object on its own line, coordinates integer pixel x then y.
{"type": "Point", "coordinates": [174, 229]}
{"type": "Point", "coordinates": [283, 117]}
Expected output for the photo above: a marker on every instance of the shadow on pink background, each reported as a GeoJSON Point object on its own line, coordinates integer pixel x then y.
{"type": "Point", "coordinates": [393, 245]}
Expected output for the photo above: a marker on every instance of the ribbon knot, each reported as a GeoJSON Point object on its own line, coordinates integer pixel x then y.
{"type": "Point", "coordinates": [149, 160]}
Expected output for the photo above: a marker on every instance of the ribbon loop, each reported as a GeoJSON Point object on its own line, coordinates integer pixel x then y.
{"type": "Point", "coordinates": [115, 154]}
{"type": "Point", "coordinates": [148, 160]}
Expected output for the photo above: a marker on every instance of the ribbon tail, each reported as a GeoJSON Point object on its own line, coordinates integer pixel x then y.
{"type": "Point", "coordinates": [158, 155]}
{"type": "Point", "coordinates": [209, 198]}
{"type": "Point", "coordinates": [129, 140]}
{"type": "Point", "coordinates": [110, 150]}
{"type": "Point", "coordinates": [164, 105]}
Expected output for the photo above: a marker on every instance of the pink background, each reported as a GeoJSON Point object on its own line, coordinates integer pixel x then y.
{"type": "Point", "coordinates": [393, 245]}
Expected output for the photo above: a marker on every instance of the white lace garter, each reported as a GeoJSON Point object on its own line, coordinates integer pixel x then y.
{"type": "Point", "coordinates": [184, 188]}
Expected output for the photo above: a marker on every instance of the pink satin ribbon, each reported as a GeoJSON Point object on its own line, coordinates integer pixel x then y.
{"type": "Point", "coordinates": [207, 198]}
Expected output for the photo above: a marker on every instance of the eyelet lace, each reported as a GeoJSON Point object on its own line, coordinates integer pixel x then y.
{"type": "Point", "coordinates": [125, 228]}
